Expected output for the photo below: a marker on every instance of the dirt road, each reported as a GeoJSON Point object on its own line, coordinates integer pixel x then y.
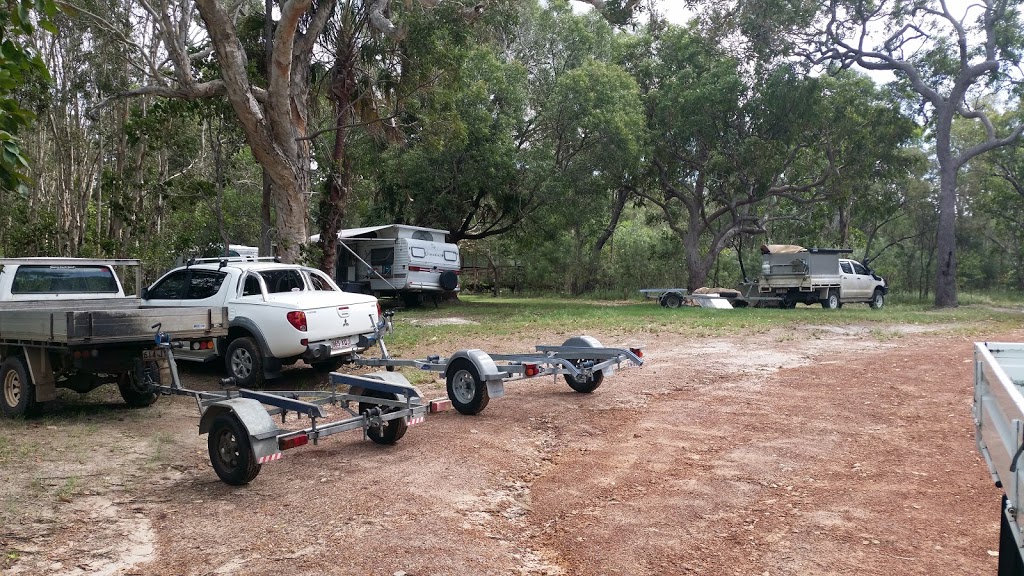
{"type": "Point", "coordinates": [772, 454]}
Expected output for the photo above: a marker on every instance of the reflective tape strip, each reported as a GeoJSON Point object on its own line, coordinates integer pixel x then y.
{"type": "Point", "coordinates": [414, 420]}
{"type": "Point", "coordinates": [270, 458]}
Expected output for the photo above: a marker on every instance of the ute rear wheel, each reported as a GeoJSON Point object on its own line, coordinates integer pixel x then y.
{"type": "Point", "coordinates": [230, 451]}
{"type": "Point", "coordinates": [245, 363]}
{"type": "Point", "coordinates": [138, 392]}
{"type": "Point", "coordinates": [831, 302]}
{"type": "Point", "coordinates": [19, 393]}
{"type": "Point", "coordinates": [390, 431]}
{"type": "Point", "coordinates": [466, 390]}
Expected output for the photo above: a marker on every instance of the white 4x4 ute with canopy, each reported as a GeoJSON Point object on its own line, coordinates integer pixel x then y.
{"type": "Point", "coordinates": [278, 314]}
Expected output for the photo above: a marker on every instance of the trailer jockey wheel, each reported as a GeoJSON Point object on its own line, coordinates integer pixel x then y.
{"type": "Point", "coordinates": [230, 451]}
{"type": "Point", "coordinates": [136, 385]}
{"type": "Point", "coordinates": [466, 390]}
{"type": "Point", "coordinates": [390, 431]}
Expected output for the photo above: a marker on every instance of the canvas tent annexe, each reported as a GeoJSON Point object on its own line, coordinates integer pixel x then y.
{"type": "Point", "coordinates": [396, 259]}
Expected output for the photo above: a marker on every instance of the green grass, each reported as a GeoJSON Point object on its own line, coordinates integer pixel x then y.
{"type": "Point", "coordinates": [510, 316]}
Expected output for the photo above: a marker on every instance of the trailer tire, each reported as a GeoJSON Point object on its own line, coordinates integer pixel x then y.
{"type": "Point", "coordinates": [19, 393]}
{"type": "Point", "coordinates": [138, 394]}
{"type": "Point", "coordinates": [392, 430]}
{"type": "Point", "coordinates": [831, 302]}
{"type": "Point", "coordinates": [671, 300]}
{"type": "Point", "coordinates": [466, 390]}
{"type": "Point", "coordinates": [585, 385]}
{"type": "Point", "coordinates": [877, 300]}
{"type": "Point", "coordinates": [244, 363]}
{"type": "Point", "coordinates": [230, 451]}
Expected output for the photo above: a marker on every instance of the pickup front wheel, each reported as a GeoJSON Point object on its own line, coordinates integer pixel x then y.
{"type": "Point", "coordinates": [877, 300]}
{"type": "Point", "coordinates": [245, 363]}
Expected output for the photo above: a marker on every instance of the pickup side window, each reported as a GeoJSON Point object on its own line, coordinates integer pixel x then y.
{"type": "Point", "coordinates": [64, 280]}
{"type": "Point", "coordinates": [282, 280]}
{"type": "Point", "coordinates": [172, 287]}
{"type": "Point", "coordinates": [320, 282]}
{"type": "Point", "coordinates": [252, 286]}
{"type": "Point", "coordinates": [204, 284]}
{"type": "Point", "coordinates": [847, 269]}
{"type": "Point", "coordinates": [858, 269]}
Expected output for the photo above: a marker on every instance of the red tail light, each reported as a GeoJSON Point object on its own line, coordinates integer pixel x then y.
{"type": "Point", "coordinates": [298, 320]}
{"type": "Point", "coordinates": [638, 352]}
{"type": "Point", "coordinates": [531, 370]}
{"type": "Point", "coordinates": [380, 311]}
{"type": "Point", "coordinates": [293, 442]}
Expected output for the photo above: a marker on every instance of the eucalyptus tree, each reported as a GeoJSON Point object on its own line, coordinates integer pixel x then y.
{"type": "Point", "coordinates": [948, 59]}
{"type": "Point", "coordinates": [734, 149]}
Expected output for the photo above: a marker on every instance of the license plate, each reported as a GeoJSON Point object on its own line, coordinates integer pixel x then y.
{"type": "Point", "coordinates": [341, 343]}
{"type": "Point", "coordinates": [155, 354]}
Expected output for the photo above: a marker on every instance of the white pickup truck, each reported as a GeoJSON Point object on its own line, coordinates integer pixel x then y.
{"type": "Point", "coordinates": [67, 323]}
{"type": "Point", "coordinates": [278, 314]}
{"type": "Point", "coordinates": [793, 274]}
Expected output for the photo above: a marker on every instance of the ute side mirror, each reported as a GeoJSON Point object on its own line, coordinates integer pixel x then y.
{"type": "Point", "coordinates": [145, 294]}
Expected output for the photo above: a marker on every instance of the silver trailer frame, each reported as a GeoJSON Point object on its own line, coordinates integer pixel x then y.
{"type": "Point", "coordinates": [242, 433]}
{"type": "Point", "coordinates": [473, 376]}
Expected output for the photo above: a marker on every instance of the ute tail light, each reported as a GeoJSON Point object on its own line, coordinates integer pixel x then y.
{"type": "Point", "coordinates": [298, 320]}
{"type": "Point", "coordinates": [380, 311]}
{"type": "Point", "coordinates": [293, 442]}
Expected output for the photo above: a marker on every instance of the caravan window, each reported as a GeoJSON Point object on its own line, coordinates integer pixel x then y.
{"type": "Point", "coordinates": [423, 235]}
{"type": "Point", "coordinates": [382, 256]}
{"type": "Point", "coordinates": [417, 252]}
{"type": "Point", "coordinates": [451, 256]}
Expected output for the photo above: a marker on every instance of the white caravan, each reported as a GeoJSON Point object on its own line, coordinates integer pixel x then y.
{"type": "Point", "coordinates": [397, 260]}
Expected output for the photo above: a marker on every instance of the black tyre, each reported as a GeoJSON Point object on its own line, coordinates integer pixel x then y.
{"type": "Point", "coordinates": [1010, 563]}
{"type": "Point", "coordinates": [584, 384]}
{"type": "Point", "coordinates": [466, 390]}
{"type": "Point", "coordinates": [392, 430]}
{"type": "Point", "coordinates": [244, 362]}
{"type": "Point", "coordinates": [448, 280]}
{"type": "Point", "coordinates": [136, 393]}
{"type": "Point", "coordinates": [671, 300]}
{"type": "Point", "coordinates": [877, 300]}
{"type": "Point", "coordinates": [788, 302]}
{"type": "Point", "coordinates": [831, 302]}
{"type": "Point", "coordinates": [230, 451]}
{"type": "Point", "coordinates": [19, 393]}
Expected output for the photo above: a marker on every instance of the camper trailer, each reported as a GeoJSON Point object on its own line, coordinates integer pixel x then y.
{"type": "Point", "coordinates": [397, 260]}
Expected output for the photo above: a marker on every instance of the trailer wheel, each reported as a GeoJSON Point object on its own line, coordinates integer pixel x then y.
{"type": "Point", "coordinates": [671, 300]}
{"type": "Point", "coordinates": [465, 389]}
{"type": "Point", "coordinates": [392, 430]}
{"type": "Point", "coordinates": [135, 393]}
{"type": "Point", "coordinates": [245, 363]}
{"type": "Point", "coordinates": [583, 384]}
{"type": "Point", "coordinates": [831, 302]}
{"type": "Point", "coordinates": [877, 300]}
{"type": "Point", "coordinates": [230, 451]}
{"type": "Point", "coordinates": [19, 393]}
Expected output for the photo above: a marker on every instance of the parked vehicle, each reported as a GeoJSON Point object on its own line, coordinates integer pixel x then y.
{"type": "Point", "coordinates": [278, 314]}
{"type": "Point", "coordinates": [397, 260]}
{"type": "Point", "coordinates": [793, 274]}
{"type": "Point", "coordinates": [66, 323]}
{"type": "Point", "coordinates": [999, 426]}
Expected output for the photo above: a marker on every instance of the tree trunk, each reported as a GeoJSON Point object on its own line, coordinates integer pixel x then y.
{"type": "Point", "coordinates": [945, 237]}
{"type": "Point", "coordinates": [339, 181]}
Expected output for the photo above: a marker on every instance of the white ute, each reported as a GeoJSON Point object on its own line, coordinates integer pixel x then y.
{"type": "Point", "coordinates": [277, 313]}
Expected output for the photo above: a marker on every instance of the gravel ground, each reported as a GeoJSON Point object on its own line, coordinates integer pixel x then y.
{"type": "Point", "coordinates": [797, 451]}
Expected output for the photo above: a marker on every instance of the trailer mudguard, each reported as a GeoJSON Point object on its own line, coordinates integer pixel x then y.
{"type": "Point", "coordinates": [486, 369]}
{"type": "Point", "coordinates": [261, 427]}
{"type": "Point", "coordinates": [389, 382]}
